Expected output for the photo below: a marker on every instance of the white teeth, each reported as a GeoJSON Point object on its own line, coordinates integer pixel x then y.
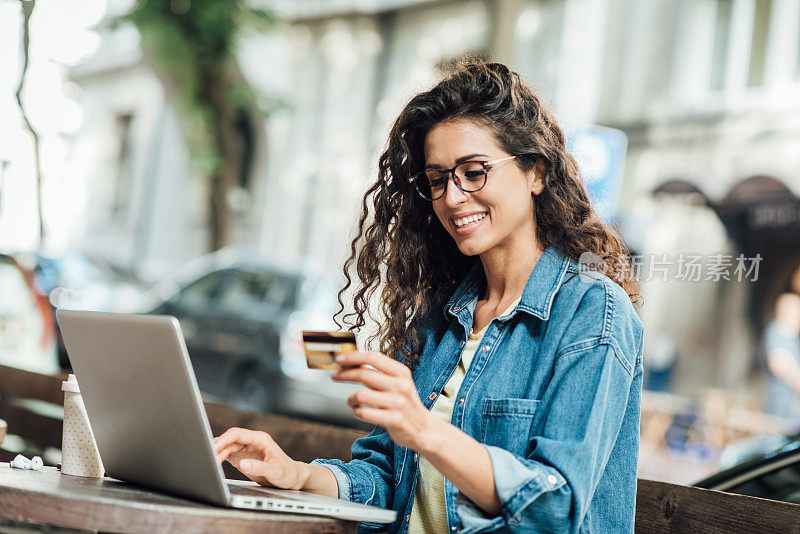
{"type": "Point", "coordinates": [468, 220]}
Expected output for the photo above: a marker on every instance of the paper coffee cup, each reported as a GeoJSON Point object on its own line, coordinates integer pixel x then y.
{"type": "Point", "coordinates": [79, 454]}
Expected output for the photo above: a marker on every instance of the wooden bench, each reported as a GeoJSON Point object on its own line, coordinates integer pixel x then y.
{"type": "Point", "coordinates": [32, 405]}
{"type": "Point", "coordinates": [28, 401]}
{"type": "Point", "coordinates": [663, 507]}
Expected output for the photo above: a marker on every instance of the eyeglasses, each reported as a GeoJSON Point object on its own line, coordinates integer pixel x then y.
{"type": "Point", "coordinates": [469, 176]}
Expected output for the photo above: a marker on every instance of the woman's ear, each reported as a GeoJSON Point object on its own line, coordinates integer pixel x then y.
{"type": "Point", "coordinates": [539, 170]}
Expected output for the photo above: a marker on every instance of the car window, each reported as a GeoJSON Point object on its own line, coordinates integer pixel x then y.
{"type": "Point", "coordinates": [278, 290]}
{"type": "Point", "coordinates": [247, 289]}
{"type": "Point", "coordinates": [201, 292]}
{"type": "Point", "coordinates": [320, 297]}
{"type": "Point", "coordinates": [779, 485]}
{"type": "Point", "coordinates": [47, 274]}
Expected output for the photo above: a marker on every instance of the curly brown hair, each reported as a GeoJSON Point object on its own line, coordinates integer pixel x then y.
{"type": "Point", "coordinates": [407, 250]}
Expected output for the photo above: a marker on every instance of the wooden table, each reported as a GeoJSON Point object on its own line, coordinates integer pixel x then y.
{"type": "Point", "coordinates": [48, 497]}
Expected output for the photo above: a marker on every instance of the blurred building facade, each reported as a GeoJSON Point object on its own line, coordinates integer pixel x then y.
{"type": "Point", "coordinates": [706, 91]}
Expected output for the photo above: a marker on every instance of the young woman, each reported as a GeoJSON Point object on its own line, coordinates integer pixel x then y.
{"type": "Point", "coordinates": [512, 400]}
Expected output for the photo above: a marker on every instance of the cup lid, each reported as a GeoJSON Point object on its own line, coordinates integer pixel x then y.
{"type": "Point", "coordinates": [71, 384]}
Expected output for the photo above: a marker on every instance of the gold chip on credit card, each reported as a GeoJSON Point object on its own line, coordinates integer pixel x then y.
{"type": "Point", "coordinates": [322, 348]}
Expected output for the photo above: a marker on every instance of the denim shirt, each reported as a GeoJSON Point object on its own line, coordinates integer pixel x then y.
{"type": "Point", "coordinates": [553, 393]}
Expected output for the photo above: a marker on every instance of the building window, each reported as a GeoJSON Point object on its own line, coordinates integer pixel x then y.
{"type": "Point", "coordinates": [244, 125]}
{"type": "Point", "coordinates": [758, 50]}
{"type": "Point", "coordinates": [123, 171]}
{"type": "Point", "coordinates": [798, 47]}
{"type": "Point", "coordinates": [722, 34]}
{"type": "Point", "coordinates": [537, 43]}
{"type": "Point", "coordinates": [240, 197]}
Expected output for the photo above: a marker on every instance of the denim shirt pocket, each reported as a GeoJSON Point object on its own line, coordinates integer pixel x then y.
{"type": "Point", "coordinates": [506, 423]}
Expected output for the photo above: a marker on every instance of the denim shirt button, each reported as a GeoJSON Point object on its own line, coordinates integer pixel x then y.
{"type": "Point", "coordinates": [552, 479]}
{"type": "Point", "coordinates": [416, 457]}
{"type": "Point", "coordinates": [463, 343]}
{"type": "Point", "coordinates": [486, 347]}
{"type": "Point", "coordinates": [454, 528]}
{"type": "Point", "coordinates": [461, 400]}
{"type": "Point", "coordinates": [408, 518]}
{"type": "Point", "coordinates": [432, 396]}
{"type": "Point", "coordinates": [456, 308]}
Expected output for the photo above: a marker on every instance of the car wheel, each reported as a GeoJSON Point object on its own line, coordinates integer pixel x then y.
{"type": "Point", "coordinates": [250, 390]}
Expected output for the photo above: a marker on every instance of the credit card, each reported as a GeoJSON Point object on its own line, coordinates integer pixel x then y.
{"type": "Point", "coordinates": [323, 347]}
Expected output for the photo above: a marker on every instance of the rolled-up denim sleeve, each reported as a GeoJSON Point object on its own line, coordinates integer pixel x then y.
{"type": "Point", "coordinates": [551, 488]}
{"type": "Point", "coordinates": [368, 477]}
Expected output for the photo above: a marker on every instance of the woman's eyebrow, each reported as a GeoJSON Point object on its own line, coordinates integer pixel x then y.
{"type": "Point", "coordinates": [462, 159]}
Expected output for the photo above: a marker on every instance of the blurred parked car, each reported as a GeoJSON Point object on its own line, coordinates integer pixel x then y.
{"type": "Point", "coordinates": [242, 319]}
{"type": "Point", "coordinates": [27, 327]}
{"type": "Point", "coordinates": [774, 475]}
{"type": "Point", "coordinates": [73, 281]}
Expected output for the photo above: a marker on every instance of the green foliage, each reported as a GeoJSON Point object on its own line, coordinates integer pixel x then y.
{"type": "Point", "coordinates": [193, 43]}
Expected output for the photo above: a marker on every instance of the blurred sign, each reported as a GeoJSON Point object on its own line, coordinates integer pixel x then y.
{"type": "Point", "coordinates": [600, 153]}
{"type": "Point", "coordinates": [783, 215]}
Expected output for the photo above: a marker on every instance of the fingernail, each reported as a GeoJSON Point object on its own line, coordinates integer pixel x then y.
{"type": "Point", "coordinates": [244, 465]}
{"type": "Point", "coordinates": [340, 358]}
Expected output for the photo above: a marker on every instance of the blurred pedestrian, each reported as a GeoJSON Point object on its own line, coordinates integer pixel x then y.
{"type": "Point", "coordinates": [522, 410]}
{"type": "Point", "coordinates": [782, 350]}
{"type": "Point", "coordinates": [660, 357]}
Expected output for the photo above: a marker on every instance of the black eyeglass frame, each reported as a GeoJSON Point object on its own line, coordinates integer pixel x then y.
{"type": "Point", "coordinates": [422, 175]}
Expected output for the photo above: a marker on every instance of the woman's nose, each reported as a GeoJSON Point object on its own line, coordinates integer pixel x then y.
{"type": "Point", "coordinates": [453, 194]}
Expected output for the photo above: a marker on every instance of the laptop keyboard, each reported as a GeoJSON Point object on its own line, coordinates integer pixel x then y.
{"type": "Point", "coordinates": [246, 491]}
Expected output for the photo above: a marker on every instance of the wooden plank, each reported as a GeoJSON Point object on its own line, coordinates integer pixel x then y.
{"type": "Point", "coordinates": [660, 507]}
{"type": "Point", "coordinates": [41, 430]}
{"type": "Point", "coordinates": [302, 440]}
{"type": "Point", "coordinates": [663, 507]}
{"type": "Point", "coordinates": [51, 498]}
{"type": "Point", "coordinates": [27, 385]}
{"type": "Point", "coordinates": [109, 505]}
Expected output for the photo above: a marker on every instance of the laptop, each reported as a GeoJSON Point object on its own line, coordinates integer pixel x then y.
{"type": "Point", "coordinates": [149, 421]}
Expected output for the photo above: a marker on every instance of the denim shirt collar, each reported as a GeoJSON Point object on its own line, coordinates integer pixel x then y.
{"type": "Point", "coordinates": [539, 292]}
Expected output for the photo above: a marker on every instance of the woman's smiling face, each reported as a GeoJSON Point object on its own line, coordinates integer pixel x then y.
{"type": "Point", "coordinates": [505, 202]}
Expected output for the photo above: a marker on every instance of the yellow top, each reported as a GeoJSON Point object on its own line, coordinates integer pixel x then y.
{"type": "Point", "coordinates": [428, 512]}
